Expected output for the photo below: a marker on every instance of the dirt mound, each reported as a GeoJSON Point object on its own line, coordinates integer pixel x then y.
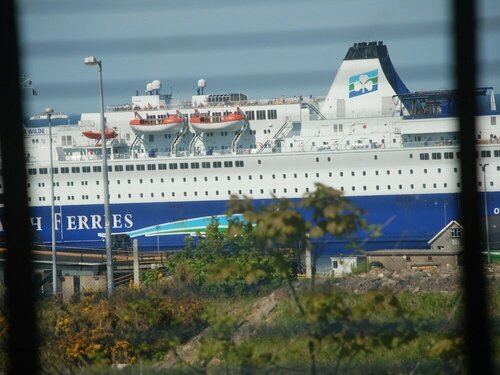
{"type": "Point", "coordinates": [431, 280]}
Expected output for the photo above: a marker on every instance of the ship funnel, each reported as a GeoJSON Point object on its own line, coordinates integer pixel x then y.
{"type": "Point", "coordinates": [364, 84]}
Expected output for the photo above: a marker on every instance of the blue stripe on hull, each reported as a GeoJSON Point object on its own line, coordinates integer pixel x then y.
{"type": "Point", "coordinates": [408, 221]}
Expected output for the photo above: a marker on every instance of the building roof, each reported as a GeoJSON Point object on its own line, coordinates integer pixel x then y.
{"type": "Point", "coordinates": [348, 256]}
{"type": "Point", "coordinates": [403, 252]}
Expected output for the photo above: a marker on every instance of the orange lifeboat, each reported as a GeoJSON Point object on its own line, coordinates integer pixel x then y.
{"type": "Point", "coordinates": [109, 134]}
{"type": "Point", "coordinates": [137, 122]}
{"type": "Point", "coordinates": [231, 121]}
{"type": "Point", "coordinates": [169, 124]}
{"type": "Point", "coordinates": [233, 117]}
{"type": "Point", "coordinates": [172, 120]}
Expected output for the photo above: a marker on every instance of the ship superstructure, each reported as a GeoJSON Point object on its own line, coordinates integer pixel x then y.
{"type": "Point", "coordinates": [174, 164]}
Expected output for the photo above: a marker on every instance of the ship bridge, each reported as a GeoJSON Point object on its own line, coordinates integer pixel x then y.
{"type": "Point", "coordinates": [215, 99]}
{"type": "Point", "coordinates": [442, 103]}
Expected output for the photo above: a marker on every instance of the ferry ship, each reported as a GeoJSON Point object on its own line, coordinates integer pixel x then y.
{"type": "Point", "coordinates": [173, 164]}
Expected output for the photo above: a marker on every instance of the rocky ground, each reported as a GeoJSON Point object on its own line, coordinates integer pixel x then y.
{"type": "Point", "coordinates": [435, 280]}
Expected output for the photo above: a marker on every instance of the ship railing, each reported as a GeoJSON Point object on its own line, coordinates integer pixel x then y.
{"type": "Point", "coordinates": [436, 143]}
{"type": "Point", "coordinates": [187, 103]}
{"type": "Point", "coordinates": [89, 123]}
{"type": "Point", "coordinates": [488, 141]}
{"type": "Point", "coordinates": [211, 152]}
{"type": "Point", "coordinates": [217, 151]}
{"type": "Point", "coordinates": [246, 151]}
{"type": "Point", "coordinates": [420, 116]}
{"type": "Point", "coordinates": [207, 152]}
{"type": "Point", "coordinates": [248, 103]}
{"type": "Point", "coordinates": [491, 140]}
{"type": "Point", "coordinates": [120, 107]}
{"type": "Point", "coordinates": [131, 107]}
{"type": "Point", "coordinates": [122, 156]}
{"type": "Point", "coordinates": [157, 154]}
{"type": "Point", "coordinates": [361, 146]}
{"type": "Point", "coordinates": [240, 103]}
{"type": "Point", "coordinates": [183, 153]}
{"type": "Point", "coordinates": [303, 147]}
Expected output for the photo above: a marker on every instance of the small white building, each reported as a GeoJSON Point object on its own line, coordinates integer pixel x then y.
{"type": "Point", "coordinates": [343, 265]}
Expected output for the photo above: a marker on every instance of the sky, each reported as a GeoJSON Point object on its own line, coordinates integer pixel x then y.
{"type": "Point", "coordinates": [262, 48]}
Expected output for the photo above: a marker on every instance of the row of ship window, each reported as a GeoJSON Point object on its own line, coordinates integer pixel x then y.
{"type": "Point", "coordinates": [412, 186]}
{"type": "Point", "coordinates": [250, 191]}
{"type": "Point", "coordinates": [151, 137]}
{"type": "Point", "coordinates": [449, 155]}
{"type": "Point", "coordinates": [260, 114]}
{"type": "Point", "coordinates": [443, 155]}
{"type": "Point", "coordinates": [215, 164]}
{"type": "Point", "coordinates": [261, 177]}
{"type": "Point", "coordinates": [437, 155]}
{"type": "Point", "coordinates": [218, 164]}
{"type": "Point", "coordinates": [163, 194]}
{"type": "Point", "coordinates": [272, 114]}
{"type": "Point", "coordinates": [284, 176]}
{"type": "Point", "coordinates": [141, 167]}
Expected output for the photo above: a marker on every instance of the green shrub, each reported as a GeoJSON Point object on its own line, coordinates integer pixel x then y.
{"type": "Point", "coordinates": [228, 264]}
{"type": "Point", "coordinates": [99, 331]}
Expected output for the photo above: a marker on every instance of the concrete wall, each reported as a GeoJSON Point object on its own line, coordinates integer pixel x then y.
{"type": "Point", "coordinates": [446, 242]}
{"type": "Point", "coordinates": [449, 238]}
{"type": "Point", "coordinates": [74, 285]}
{"type": "Point", "coordinates": [401, 261]}
{"type": "Point", "coordinates": [343, 265]}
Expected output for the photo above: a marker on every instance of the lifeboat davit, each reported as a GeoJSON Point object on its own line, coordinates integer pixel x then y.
{"type": "Point", "coordinates": [109, 134]}
{"type": "Point", "coordinates": [231, 121]}
{"type": "Point", "coordinates": [170, 124]}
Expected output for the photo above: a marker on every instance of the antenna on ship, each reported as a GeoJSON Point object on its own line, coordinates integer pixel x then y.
{"type": "Point", "coordinates": [201, 85]}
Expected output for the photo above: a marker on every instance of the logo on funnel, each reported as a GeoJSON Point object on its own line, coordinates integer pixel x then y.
{"type": "Point", "coordinates": [363, 83]}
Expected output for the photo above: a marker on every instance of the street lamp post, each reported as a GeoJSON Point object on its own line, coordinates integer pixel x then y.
{"type": "Point", "coordinates": [49, 112]}
{"type": "Point", "coordinates": [157, 239]}
{"type": "Point", "coordinates": [91, 60]}
{"type": "Point", "coordinates": [483, 167]}
{"type": "Point", "coordinates": [445, 203]}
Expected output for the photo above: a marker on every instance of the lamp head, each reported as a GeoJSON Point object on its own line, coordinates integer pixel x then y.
{"type": "Point", "coordinates": [483, 166]}
{"type": "Point", "coordinates": [49, 111]}
{"type": "Point", "coordinates": [91, 60]}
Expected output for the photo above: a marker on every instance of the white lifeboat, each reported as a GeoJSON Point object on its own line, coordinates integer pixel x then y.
{"type": "Point", "coordinates": [170, 124]}
{"type": "Point", "coordinates": [231, 121]}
